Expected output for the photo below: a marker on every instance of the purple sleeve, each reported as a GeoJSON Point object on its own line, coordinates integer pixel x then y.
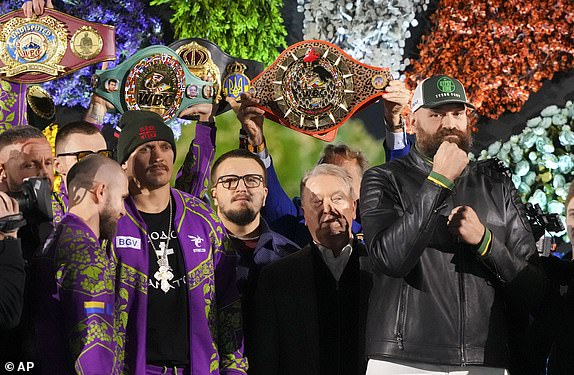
{"type": "Point", "coordinates": [278, 204]}
{"type": "Point", "coordinates": [193, 177]}
{"type": "Point", "coordinates": [85, 290]}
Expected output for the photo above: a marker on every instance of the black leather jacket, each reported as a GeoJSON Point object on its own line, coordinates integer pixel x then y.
{"type": "Point", "coordinates": [435, 299]}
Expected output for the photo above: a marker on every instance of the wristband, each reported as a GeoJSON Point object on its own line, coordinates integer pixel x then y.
{"type": "Point", "coordinates": [256, 149]}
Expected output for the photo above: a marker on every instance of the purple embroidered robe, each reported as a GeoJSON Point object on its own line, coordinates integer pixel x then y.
{"type": "Point", "coordinates": [59, 204]}
{"type": "Point", "coordinates": [215, 333]}
{"type": "Point", "coordinates": [78, 327]}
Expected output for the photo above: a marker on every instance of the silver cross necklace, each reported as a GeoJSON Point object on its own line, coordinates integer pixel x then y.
{"type": "Point", "coordinates": [164, 274]}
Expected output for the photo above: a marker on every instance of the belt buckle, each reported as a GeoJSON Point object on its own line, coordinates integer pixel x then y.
{"type": "Point", "coordinates": [153, 79]}
{"type": "Point", "coordinates": [44, 48]}
{"type": "Point", "coordinates": [313, 87]}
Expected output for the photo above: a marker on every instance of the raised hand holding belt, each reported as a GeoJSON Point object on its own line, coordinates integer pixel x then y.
{"type": "Point", "coordinates": [153, 79]}
{"type": "Point", "coordinates": [231, 75]}
{"type": "Point", "coordinates": [40, 49]}
{"type": "Point", "coordinates": [313, 87]}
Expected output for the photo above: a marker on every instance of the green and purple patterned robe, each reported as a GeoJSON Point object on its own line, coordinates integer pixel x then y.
{"type": "Point", "coordinates": [79, 328]}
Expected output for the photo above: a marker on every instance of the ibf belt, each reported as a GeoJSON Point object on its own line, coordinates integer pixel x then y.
{"type": "Point", "coordinates": [231, 75]}
{"type": "Point", "coordinates": [40, 49]}
{"type": "Point", "coordinates": [153, 79]}
{"type": "Point", "coordinates": [314, 87]}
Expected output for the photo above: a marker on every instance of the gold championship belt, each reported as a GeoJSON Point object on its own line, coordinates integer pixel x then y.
{"type": "Point", "coordinates": [231, 76]}
{"type": "Point", "coordinates": [40, 49]}
{"type": "Point", "coordinates": [314, 87]}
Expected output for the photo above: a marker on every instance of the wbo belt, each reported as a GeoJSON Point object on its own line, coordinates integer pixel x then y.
{"type": "Point", "coordinates": [40, 49]}
{"type": "Point", "coordinates": [314, 87]}
{"type": "Point", "coordinates": [153, 79]}
{"type": "Point", "coordinates": [231, 75]}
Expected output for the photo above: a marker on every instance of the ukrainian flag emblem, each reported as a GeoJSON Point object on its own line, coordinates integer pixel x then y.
{"type": "Point", "coordinates": [94, 307]}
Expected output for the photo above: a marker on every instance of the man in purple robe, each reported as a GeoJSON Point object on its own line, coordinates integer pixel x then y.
{"type": "Point", "coordinates": [176, 281]}
{"type": "Point", "coordinates": [79, 330]}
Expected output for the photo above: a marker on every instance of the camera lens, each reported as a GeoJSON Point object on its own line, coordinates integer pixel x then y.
{"type": "Point", "coordinates": [35, 199]}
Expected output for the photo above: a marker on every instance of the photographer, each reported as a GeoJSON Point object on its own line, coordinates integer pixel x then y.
{"type": "Point", "coordinates": [12, 274]}
{"type": "Point", "coordinates": [25, 154]}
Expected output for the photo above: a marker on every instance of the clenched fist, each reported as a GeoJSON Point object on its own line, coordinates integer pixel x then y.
{"type": "Point", "coordinates": [464, 223]}
{"type": "Point", "coordinates": [449, 160]}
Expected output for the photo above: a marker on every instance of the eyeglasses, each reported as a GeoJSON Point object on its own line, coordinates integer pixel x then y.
{"type": "Point", "coordinates": [231, 181]}
{"type": "Point", "coordinates": [82, 154]}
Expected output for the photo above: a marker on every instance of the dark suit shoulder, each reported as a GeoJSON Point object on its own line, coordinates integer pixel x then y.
{"type": "Point", "coordinates": [288, 265]}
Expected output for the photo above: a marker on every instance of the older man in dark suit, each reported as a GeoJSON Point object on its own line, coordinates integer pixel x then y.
{"type": "Point", "coordinates": [309, 305]}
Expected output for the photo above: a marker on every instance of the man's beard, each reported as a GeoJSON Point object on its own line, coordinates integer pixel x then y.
{"type": "Point", "coordinates": [241, 216]}
{"type": "Point", "coordinates": [429, 144]}
{"type": "Point", "coordinates": [108, 224]}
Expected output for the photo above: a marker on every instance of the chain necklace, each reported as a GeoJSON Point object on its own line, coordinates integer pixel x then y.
{"type": "Point", "coordinates": [164, 274]}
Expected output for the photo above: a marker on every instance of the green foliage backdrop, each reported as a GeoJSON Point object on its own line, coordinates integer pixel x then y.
{"type": "Point", "coordinates": [293, 153]}
{"type": "Point", "coordinates": [250, 29]}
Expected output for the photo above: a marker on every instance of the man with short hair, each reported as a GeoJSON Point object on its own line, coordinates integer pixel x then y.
{"type": "Point", "coordinates": [78, 326]}
{"type": "Point", "coordinates": [450, 245]}
{"type": "Point", "coordinates": [73, 142]}
{"type": "Point", "coordinates": [177, 278]}
{"type": "Point", "coordinates": [239, 190]}
{"type": "Point", "coordinates": [310, 305]}
{"type": "Point", "coordinates": [24, 152]}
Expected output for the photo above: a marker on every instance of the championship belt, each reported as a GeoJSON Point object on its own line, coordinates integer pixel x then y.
{"type": "Point", "coordinates": [314, 87]}
{"type": "Point", "coordinates": [231, 76]}
{"type": "Point", "coordinates": [153, 79]}
{"type": "Point", "coordinates": [40, 49]}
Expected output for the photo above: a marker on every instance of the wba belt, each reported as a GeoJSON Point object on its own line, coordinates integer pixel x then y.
{"type": "Point", "coordinates": [153, 79]}
{"type": "Point", "coordinates": [314, 87]}
{"type": "Point", "coordinates": [40, 49]}
{"type": "Point", "coordinates": [231, 75]}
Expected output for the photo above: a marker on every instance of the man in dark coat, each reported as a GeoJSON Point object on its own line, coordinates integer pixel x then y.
{"type": "Point", "coordinates": [309, 305]}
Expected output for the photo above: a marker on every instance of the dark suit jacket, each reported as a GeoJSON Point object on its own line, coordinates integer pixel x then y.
{"type": "Point", "coordinates": [286, 331]}
{"type": "Point", "coordinates": [12, 277]}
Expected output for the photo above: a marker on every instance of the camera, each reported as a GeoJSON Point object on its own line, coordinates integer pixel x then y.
{"type": "Point", "coordinates": [35, 199]}
{"type": "Point", "coordinates": [541, 222]}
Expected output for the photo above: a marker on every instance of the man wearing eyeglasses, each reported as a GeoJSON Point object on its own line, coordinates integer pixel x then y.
{"type": "Point", "coordinates": [239, 190]}
{"type": "Point", "coordinates": [178, 291]}
{"type": "Point", "coordinates": [74, 141]}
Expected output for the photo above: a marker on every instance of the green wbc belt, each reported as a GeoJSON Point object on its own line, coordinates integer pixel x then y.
{"type": "Point", "coordinates": [153, 79]}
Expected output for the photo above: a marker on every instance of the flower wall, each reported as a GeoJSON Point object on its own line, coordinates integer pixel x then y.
{"type": "Point", "coordinates": [541, 159]}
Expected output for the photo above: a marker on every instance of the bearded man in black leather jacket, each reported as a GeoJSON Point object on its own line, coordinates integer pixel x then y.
{"type": "Point", "coordinates": [451, 248]}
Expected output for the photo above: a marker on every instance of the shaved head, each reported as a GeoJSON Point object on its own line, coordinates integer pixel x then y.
{"type": "Point", "coordinates": [98, 185]}
{"type": "Point", "coordinates": [91, 170]}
